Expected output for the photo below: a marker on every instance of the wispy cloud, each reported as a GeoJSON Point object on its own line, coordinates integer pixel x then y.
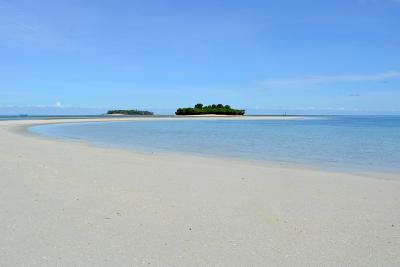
{"type": "Point", "coordinates": [377, 1]}
{"type": "Point", "coordinates": [18, 27]}
{"type": "Point", "coordinates": [50, 27]}
{"type": "Point", "coordinates": [322, 79]}
{"type": "Point", "coordinates": [55, 105]}
{"type": "Point", "coordinates": [327, 108]}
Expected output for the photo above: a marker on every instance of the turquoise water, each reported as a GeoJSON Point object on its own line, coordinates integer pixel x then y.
{"type": "Point", "coordinates": [370, 143]}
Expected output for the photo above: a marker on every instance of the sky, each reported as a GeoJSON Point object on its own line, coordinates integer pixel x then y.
{"type": "Point", "coordinates": [268, 57]}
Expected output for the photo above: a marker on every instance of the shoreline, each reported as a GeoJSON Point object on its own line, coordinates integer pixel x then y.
{"type": "Point", "coordinates": [381, 175]}
{"type": "Point", "coordinates": [24, 130]}
{"type": "Point", "coordinates": [86, 205]}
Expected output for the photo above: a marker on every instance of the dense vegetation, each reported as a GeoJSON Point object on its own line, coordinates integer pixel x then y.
{"type": "Point", "coordinates": [129, 112]}
{"type": "Point", "coordinates": [219, 109]}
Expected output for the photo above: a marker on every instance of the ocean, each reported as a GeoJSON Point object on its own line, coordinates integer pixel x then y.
{"type": "Point", "coordinates": [350, 143]}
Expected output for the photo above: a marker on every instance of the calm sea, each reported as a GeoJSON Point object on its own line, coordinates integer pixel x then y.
{"type": "Point", "coordinates": [44, 117]}
{"type": "Point", "coordinates": [360, 143]}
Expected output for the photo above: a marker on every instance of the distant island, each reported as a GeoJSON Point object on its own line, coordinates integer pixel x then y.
{"type": "Point", "coordinates": [219, 109]}
{"type": "Point", "coordinates": [129, 112]}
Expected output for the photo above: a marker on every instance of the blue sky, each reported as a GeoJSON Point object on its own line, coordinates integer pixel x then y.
{"type": "Point", "coordinates": [312, 57]}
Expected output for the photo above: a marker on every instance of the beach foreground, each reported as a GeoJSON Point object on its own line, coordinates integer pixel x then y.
{"type": "Point", "coordinates": [70, 204]}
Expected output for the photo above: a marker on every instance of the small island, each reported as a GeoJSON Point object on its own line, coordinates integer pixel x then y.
{"type": "Point", "coordinates": [218, 109]}
{"type": "Point", "coordinates": [131, 112]}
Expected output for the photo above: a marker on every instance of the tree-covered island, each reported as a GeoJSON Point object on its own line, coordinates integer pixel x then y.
{"type": "Point", "coordinates": [130, 112]}
{"type": "Point", "coordinates": [219, 109]}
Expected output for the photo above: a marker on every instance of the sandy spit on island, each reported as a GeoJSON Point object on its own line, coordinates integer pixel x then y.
{"type": "Point", "coordinates": [71, 204]}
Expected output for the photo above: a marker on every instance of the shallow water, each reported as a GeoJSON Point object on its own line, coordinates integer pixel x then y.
{"type": "Point", "coordinates": [46, 117]}
{"type": "Point", "coordinates": [359, 143]}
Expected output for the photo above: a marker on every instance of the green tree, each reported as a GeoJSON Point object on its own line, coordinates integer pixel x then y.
{"type": "Point", "coordinates": [220, 109]}
{"type": "Point", "coordinates": [199, 105]}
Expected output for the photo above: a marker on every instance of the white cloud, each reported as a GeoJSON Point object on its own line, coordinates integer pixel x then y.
{"type": "Point", "coordinates": [321, 79]}
{"type": "Point", "coordinates": [55, 105]}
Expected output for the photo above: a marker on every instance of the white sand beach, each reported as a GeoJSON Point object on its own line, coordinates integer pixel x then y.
{"type": "Point", "coordinates": [71, 204]}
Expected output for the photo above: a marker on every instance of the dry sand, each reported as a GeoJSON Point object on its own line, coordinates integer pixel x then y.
{"type": "Point", "coordinates": [69, 204]}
